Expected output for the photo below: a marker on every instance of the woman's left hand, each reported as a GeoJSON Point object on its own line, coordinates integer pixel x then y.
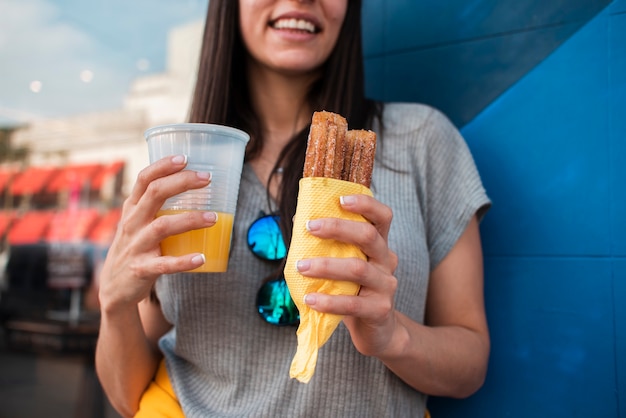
{"type": "Point", "coordinates": [369, 316]}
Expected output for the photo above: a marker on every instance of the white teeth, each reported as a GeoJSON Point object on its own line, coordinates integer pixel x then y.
{"type": "Point", "coordinates": [295, 24]}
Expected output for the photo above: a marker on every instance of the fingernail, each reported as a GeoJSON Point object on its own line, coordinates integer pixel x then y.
{"type": "Point", "coordinates": [347, 200]}
{"type": "Point", "coordinates": [203, 175]}
{"type": "Point", "coordinates": [303, 265]}
{"type": "Point", "coordinates": [313, 225]}
{"type": "Point", "coordinates": [179, 159]}
{"type": "Point", "coordinates": [199, 259]}
{"type": "Point", "coordinates": [210, 216]}
{"type": "Point", "coordinates": [310, 299]}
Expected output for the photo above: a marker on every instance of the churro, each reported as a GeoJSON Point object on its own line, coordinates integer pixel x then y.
{"type": "Point", "coordinates": [359, 159]}
{"type": "Point", "coordinates": [326, 145]}
{"type": "Point", "coordinates": [336, 152]}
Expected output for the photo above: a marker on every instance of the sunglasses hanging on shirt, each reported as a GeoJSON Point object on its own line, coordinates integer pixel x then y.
{"type": "Point", "coordinates": [273, 302]}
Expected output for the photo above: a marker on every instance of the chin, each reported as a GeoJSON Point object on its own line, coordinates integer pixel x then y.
{"type": "Point", "coordinates": [297, 64]}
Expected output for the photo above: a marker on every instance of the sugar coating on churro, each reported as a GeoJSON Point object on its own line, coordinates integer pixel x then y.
{"type": "Point", "coordinates": [336, 152]}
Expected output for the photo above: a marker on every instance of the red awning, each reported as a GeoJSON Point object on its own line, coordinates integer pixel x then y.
{"type": "Point", "coordinates": [32, 180]}
{"type": "Point", "coordinates": [30, 228]}
{"type": "Point", "coordinates": [6, 219]}
{"type": "Point", "coordinates": [72, 225]}
{"type": "Point", "coordinates": [104, 231]}
{"type": "Point", "coordinates": [5, 178]}
{"type": "Point", "coordinates": [106, 173]}
{"type": "Point", "coordinates": [73, 176]}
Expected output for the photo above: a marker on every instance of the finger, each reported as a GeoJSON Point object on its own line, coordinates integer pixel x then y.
{"type": "Point", "coordinates": [348, 269]}
{"type": "Point", "coordinates": [366, 308]}
{"type": "Point", "coordinates": [375, 299]}
{"type": "Point", "coordinates": [377, 213]}
{"type": "Point", "coordinates": [362, 234]}
{"type": "Point", "coordinates": [159, 190]}
{"type": "Point", "coordinates": [156, 266]}
{"type": "Point", "coordinates": [160, 168]}
{"type": "Point", "coordinates": [168, 225]}
{"type": "Point", "coordinates": [165, 187]}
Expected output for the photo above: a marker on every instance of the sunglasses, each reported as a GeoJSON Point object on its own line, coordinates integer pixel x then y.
{"type": "Point", "coordinates": [273, 301]}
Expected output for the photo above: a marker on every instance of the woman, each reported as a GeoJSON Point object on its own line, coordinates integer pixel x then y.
{"type": "Point", "coordinates": [266, 66]}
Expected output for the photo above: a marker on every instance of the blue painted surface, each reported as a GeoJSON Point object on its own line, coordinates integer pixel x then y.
{"type": "Point", "coordinates": [617, 126]}
{"type": "Point", "coordinates": [539, 92]}
{"type": "Point", "coordinates": [543, 151]}
{"type": "Point", "coordinates": [452, 45]}
{"type": "Point", "coordinates": [618, 6]}
{"type": "Point", "coordinates": [619, 290]}
{"type": "Point", "coordinates": [544, 361]}
{"type": "Point", "coordinates": [473, 78]}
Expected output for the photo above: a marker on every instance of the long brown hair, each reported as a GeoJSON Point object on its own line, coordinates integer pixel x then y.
{"type": "Point", "coordinates": [222, 94]}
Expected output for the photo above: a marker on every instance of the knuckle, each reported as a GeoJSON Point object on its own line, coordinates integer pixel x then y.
{"type": "Point", "coordinates": [127, 205]}
{"type": "Point", "coordinates": [124, 227]}
{"type": "Point", "coordinates": [387, 214]}
{"type": "Point", "coordinates": [358, 267]}
{"type": "Point", "coordinates": [159, 225]}
{"type": "Point", "coordinates": [369, 234]}
{"type": "Point", "coordinates": [153, 190]}
{"type": "Point", "coordinates": [143, 177]}
{"type": "Point", "coordinates": [352, 306]}
{"type": "Point", "coordinates": [393, 284]}
{"type": "Point", "coordinates": [161, 267]}
{"type": "Point", "coordinates": [324, 264]}
{"type": "Point", "coordinates": [137, 270]}
{"type": "Point", "coordinates": [393, 257]}
{"type": "Point", "coordinates": [386, 307]}
{"type": "Point", "coordinates": [331, 224]}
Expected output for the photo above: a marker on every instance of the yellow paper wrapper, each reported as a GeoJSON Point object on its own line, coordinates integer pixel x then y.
{"type": "Point", "coordinates": [318, 197]}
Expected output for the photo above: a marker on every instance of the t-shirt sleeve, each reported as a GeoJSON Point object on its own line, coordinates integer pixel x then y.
{"type": "Point", "coordinates": [452, 188]}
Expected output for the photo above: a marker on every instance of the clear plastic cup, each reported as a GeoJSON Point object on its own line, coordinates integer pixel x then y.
{"type": "Point", "coordinates": [209, 148]}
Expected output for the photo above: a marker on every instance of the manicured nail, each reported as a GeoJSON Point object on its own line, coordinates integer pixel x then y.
{"type": "Point", "coordinates": [303, 265]}
{"type": "Point", "coordinates": [199, 259]}
{"type": "Point", "coordinates": [313, 225]}
{"type": "Point", "coordinates": [347, 200]}
{"type": "Point", "coordinates": [204, 175]}
{"type": "Point", "coordinates": [179, 159]}
{"type": "Point", "coordinates": [210, 216]}
{"type": "Point", "coordinates": [310, 299]}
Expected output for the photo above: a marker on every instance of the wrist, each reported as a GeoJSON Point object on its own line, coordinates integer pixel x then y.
{"type": "Point", "coordinates": [111, 310]}
{"type": "Point", "coordinates": [399, 342]}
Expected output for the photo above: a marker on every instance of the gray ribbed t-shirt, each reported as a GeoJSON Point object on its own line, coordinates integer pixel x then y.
{"type": "Point", "coordinates": [225, 361]}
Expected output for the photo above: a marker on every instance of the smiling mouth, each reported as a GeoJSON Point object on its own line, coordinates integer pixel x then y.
{"type": "Point", "coordinates": [295, 24]}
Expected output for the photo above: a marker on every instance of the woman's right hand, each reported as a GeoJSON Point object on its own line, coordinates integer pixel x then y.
{"type": "Point", "coordinates": [134, 260]}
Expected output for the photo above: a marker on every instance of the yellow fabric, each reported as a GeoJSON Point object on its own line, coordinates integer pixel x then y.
{"type": "Point", "coordinates": [318, 197]}
{"type": "Point", "coordinates": [159, 399]}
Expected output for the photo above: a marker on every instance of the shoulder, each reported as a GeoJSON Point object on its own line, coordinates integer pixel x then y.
{"type": "Point", "coordinates": [403, 118]}
{"type": "Point", "coordinates": [417, 124]}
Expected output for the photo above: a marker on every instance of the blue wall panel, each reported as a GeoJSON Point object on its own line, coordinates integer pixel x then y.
{"type": "Point", "coordinates": [542, 149]}
{"type": "Point", "coordinates": [619, 301]}
{"type": "Point", "coordinates": [422, 24]}
{"type": "Point", "coordinates": [617, 44]}
{"type": "Point", "coordinates": [550, 357]}
{"type": "Point", "coordinates": [374, 23]}
{"type": "Point", "coordinates": [474, 76]}
{"type": "Point", "coordinates": [618, 6]}
{"type": "Point", "coordinates": [617, 120]}
{"type": "Point", "coordinates": [539, 91]}
{"type": "Point", "coordinates": [469, 52]}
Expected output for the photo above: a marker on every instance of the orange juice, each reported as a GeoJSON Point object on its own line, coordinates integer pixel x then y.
{"type": "Point", "coordinates": [213, 242]}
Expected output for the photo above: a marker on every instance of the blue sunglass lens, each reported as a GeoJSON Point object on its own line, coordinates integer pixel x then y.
{"type": "Point", "coordinates": [275, 304]}
{"type": "Point", "coordinates": [265, 238]}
